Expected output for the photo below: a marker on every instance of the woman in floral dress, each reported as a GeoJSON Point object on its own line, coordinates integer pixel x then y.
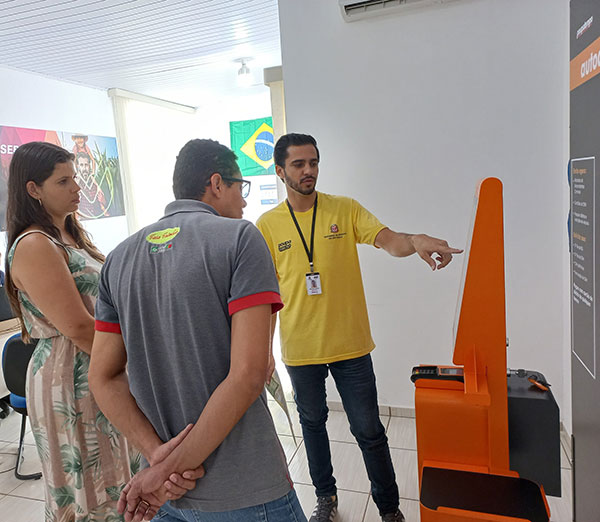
{"type": "Point", "coordinates": [52, 282]}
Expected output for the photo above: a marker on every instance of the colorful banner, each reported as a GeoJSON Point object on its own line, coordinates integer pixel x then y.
{"type": "Point", "coordinates": [96, 163]}
{"type": "Point", "coordinates": [252, 141]}
{"type": "Point", "coordinates": [586, 65]}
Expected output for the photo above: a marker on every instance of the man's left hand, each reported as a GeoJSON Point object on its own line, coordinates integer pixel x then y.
{"type": "Point", "coordinates": [426, 246]}
{"type": "Point", "coordinates": [138, 501]}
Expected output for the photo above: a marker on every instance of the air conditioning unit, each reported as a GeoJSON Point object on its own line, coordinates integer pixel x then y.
{"type": "Point", "coordinates": [353, 10]}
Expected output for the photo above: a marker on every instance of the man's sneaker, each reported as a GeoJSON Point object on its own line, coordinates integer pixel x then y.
{"type": "Point", "coordinates": [393, 517]}
{"type": "Point", "coordinates": [325, 510]}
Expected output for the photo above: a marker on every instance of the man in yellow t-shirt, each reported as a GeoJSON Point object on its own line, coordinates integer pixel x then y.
{"type": "Point", "coordinates": [324, 325]}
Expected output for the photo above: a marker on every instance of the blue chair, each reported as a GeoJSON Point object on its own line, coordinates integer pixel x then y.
{"type": "Point", "coordinates": [15, 359]}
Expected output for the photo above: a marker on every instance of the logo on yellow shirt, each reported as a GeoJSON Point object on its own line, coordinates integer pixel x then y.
{"type": "Point", "coordinates": [335, 232]}
{"type": "Point", "coordinates": [285, 245]}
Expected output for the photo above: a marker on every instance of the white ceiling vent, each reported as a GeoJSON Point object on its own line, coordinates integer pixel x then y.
{"type": "Point", "coordinates": [353, 10]}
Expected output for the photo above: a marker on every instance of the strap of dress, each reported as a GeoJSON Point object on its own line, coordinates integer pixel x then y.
{"type": "Point", "coordinates": [14, 245]}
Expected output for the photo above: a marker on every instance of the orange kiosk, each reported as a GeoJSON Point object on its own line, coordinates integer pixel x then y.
{"type": "Point", "coordinates": [461, 411]}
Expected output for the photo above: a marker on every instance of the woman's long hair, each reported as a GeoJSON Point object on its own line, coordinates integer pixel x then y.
{"type": "Point", "coordinates": [35, 162]}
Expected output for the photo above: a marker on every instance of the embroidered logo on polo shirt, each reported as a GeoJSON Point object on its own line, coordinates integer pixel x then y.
{"type": "Point", "coordinates": [162, 240]}
{"type": "Point", "coordinates": [285, 245]}
{"type": "Point", "coordinates": [162, 236]}
{"type": "Point", "coordinates": [334, 229]}
{"type": "Point", "coordinates": [160, 249]}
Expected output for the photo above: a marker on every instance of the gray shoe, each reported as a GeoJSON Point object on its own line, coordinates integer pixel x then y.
{"type": "Point", "coordinates": [325, 510]}
{"type": "Point", "coordinates": [393, 517]}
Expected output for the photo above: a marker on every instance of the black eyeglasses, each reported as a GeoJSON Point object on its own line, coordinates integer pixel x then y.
{"type": "Point", "coordinates": [245, 185]}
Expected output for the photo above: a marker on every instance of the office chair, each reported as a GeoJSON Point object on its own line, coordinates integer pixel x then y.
{"type": "Point", "coordinates": [15, 359]}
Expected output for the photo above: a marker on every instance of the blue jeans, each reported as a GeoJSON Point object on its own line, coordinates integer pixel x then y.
{"type": "Point", "coordinates": [284, 509]}
{"type": "Point", "coordinates": [355, 381]}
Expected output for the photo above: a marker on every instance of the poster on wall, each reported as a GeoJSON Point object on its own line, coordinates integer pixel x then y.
{"type": "Point", "coordinates": [96, 163]}
{"type": "Point", "coordinates": [252, 142]}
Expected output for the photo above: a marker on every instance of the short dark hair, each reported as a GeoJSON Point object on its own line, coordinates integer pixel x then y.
{"type": "Point", "coordinates": [280, 153]}
{"type": "Point", "coordinates": [196, 162]}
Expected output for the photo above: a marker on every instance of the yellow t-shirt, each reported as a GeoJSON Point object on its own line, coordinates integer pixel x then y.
{"type": "Point", "coordinates": [332, 326]}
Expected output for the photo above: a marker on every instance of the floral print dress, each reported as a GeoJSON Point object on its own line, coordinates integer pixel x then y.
{"type": "Point", "coordinates": [85, 461]}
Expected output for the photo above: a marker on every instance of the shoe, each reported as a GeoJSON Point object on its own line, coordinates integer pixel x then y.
{"type": "Point", "coordinates": [393, 517]}
{"type": "Point", "coordinates": [325, 510]}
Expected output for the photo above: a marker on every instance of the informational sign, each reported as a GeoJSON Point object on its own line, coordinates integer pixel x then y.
{"type": "Point", "coordinates": [96, 163]}
{"type": "Point", "coordinates": [585, 253]}
{"type": "Point", "coordinates": [583, 261]}
{"type": "Point", "coordinates": [268, 193]}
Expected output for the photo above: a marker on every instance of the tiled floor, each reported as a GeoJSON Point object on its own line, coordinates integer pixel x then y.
{"type": "Point", "coordinates": [22, 501]}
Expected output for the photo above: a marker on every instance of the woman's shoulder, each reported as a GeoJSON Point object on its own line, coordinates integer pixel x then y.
{"type": "Point", "coordinates": [34, 241]}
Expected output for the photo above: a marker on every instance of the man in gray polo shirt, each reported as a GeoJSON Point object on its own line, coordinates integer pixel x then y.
{"type": "Point", "coordinates": [184, 305]}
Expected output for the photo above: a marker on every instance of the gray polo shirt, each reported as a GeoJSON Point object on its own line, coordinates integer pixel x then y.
{"type": "Point", "coordinates": [170, 290]}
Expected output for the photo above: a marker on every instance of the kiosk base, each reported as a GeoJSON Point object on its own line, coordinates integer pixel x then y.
{"type": "Point", "coordinates": [449, 495]}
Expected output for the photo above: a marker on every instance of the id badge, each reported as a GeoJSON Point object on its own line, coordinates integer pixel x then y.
{"type": "Point", "coordinates": [313, 283]}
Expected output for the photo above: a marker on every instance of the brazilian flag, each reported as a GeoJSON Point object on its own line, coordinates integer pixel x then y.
{"type": "Point", "coordinates": [252, 142]}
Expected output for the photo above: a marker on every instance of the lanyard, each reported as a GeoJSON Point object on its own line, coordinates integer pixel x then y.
{"type": "Point", "coordinates": [310, 252]}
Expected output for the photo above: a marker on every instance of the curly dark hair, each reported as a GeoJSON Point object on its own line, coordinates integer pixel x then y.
{"type": "Point", "coordinates": [196, 162]}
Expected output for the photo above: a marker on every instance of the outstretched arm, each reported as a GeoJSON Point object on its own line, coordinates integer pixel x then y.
{"type": "Point", "coordinates": [399, 244]}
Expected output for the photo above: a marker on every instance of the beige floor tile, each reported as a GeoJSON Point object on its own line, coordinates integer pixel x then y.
{"type": "Point", "coordinates": [281, 422]}
{"type": "Point", "coordinates": [385, 420]}
{"type": "Point", "coordinates": [32, 489]}
{"type": "Point", "coordinates": [561, 508]}
{"type": "Point", "coordinates": [406, 468]}
{"type": "Point", "coordinates": [17, 509]}
{"type": "Point", "coordinates": [338, 428]}
{"type": "Point", "coordinates": [289, 446]}
{"type": "Point", "coordinates": [402, 412]}
{"type": "Point", "coordinates": [566, 443]}
{"type": "Point", "coordinates": [402, 433]}
{"type": "Point", "coordinates": [10, 428]}
{"type": "Point", "coordinates": [410, 508]}
{"type": "Point", "coordinates": [335, 405]}
{"type": "Point", "coordinates": [351, 506]}
{"type": "Point", "coordinates": [564, 460]}
{"type": "Point", "coordinates": [8, 458]}
{"type": "Point", "coordinates": [348, 467]}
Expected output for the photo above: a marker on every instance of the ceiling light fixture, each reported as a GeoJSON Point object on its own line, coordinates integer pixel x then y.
{"type": "Point", "coordinates": [244, 76]}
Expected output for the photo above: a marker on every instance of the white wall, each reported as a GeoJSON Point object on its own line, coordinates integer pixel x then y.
{"type": "Point", "coordinates": [33, 101]}
{"type": "Point", "coordinates": [36, 102]}
{"type": "Point", "coordinates": [410, 111]}
{"type": "Point", "coordinates": [154, 134]}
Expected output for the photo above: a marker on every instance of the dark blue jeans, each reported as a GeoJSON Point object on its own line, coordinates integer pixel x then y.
{"type": "Point", "coordinates": [355, 381]}
{"type": "Point", "coordinates": [284, 509]}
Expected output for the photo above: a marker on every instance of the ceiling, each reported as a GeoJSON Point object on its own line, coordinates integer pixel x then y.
{"type": "Point", "coordinates": [180, 50]}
